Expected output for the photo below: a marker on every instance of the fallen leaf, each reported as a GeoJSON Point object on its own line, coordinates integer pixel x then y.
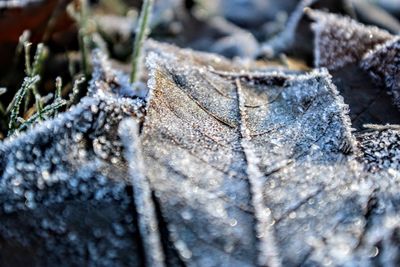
{"type": "Point", "coordinates": [216, 143]}
{"type": "Point", "coordinates": [340, 40]}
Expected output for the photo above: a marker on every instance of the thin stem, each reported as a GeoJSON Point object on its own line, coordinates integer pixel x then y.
{"type": "Point", "coordinates": [40, 57]}
{"type": "Point", "coordinates": [24, 38]}
{"type": "Point", "coordinates": [142, 32]}
{"type": "Point", "coordinates": [57, 96]}
{"type": "Point", "coordinates": [36, 69]}
{"type": "Point", "coordinates": [58, 88]}
{"type": "Point", "coordinates": [73, 97]}
{"type": "Point", "coordinates": [28, 68]}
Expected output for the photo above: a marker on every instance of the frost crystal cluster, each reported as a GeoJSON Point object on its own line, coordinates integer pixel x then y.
{"type": "Point", "coordinates": [64, 190]}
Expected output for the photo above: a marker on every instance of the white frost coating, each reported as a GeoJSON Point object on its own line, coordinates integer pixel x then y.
{"type": "Point", "coordinates": [63, 167]}
{"type": "Point", "coordinates": [350, 144]}
{"type": "Point", "coordinates": [75, 161]}
{"type": "Point", "coordinates": [380, 147]}
{"type": "Point", "coordinates": [148, 226]}
{"type": "Point", "coordinates": [107, 81]}
{"type": "Point", "coordinates": [151, 64]}
{"type": "Point", "coordinates": [296, 126]}
{"type": "Point", "coordinates": [340, 40]}
{"type": "Point", "coordinates": [269, 253]}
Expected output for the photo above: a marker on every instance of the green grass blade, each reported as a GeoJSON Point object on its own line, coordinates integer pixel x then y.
{"type": "Point", "coordinates": [142, 32]}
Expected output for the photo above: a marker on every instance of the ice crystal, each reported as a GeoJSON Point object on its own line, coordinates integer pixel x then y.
{"type": "Point", "coordinates": [380, 147]}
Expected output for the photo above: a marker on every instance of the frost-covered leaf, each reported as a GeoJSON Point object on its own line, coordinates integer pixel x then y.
{"type": "Point", "coordinates": [340, 40]}
{"type": "Point", "coordinates": [64, 194]}
{"type": "Point", "coordinates": [233, 156]}
{"type": "Point", "coordinates": [213, 139]}
{"type": "Point", "coordinates": [383, 64]}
